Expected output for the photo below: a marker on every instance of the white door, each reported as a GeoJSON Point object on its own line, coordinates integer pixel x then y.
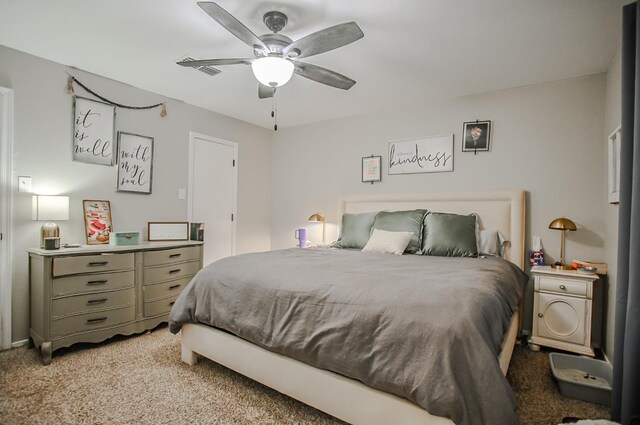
{"type": "Point", "coordinates": [562, 318]}
{"type": "Point", "coordinates": [212, 194]}
{"type": "Point", "coordinates": [6, 133]}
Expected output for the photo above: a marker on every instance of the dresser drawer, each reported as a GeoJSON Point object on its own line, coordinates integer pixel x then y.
{"type": "Point", "coordinates": [165, 289]}
{"type": "Point", "coordinates": [92, 263]}
{"type": "Point", "coordinates": [91, 302]}
{"type": "Point", "coordinates": [87, 283]}
{"type": "Point", "coordinates": [171, 256]}
{"type": "Point", "coordinates": [562, 286]}
{"type": "Point", "coordinates": [155, 308]}
{"type": "Point", "coordinates": [160, 274]}
{"type": "Point", "coordinates": [91, 321]}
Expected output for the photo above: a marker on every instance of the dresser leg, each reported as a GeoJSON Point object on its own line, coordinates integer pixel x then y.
{"type": "Point", "coordinates": [190, 357]}
{"type": "Point", "coordinates": [534, 347]}
{"type": "Point", "coordinates": [45, 349]}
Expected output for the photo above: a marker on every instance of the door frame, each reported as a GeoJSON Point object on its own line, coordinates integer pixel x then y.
{"type": "Point", "coordinates": [234, 225]}
{"type": "Point", "coordinates": [6, 198]}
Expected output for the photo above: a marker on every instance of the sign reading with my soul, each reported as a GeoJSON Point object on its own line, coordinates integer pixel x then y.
{"type": "Point", "coordinates": [93, 131]}
{"type": "Point", "coordinates": [426, 155]}
{"type": "Point", "coordinates": [135, 163]}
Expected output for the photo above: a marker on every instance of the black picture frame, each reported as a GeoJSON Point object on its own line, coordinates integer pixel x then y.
{"type": "Point", "coordinates": [474, 142]}
{"type": "Point", "coordinates": [371, 169]}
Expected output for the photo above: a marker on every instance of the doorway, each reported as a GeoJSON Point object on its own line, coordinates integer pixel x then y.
{"type": "Point", "coordinates": [6, 142]}
{"type": "Point", "coordinates": [213, 165]}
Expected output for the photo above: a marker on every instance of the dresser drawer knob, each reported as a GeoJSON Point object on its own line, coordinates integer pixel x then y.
{"type": "Point", "coordinates": [564, 288]}
{"type": "Point", "coordinates": [174, 287]}
{"type": "Point", "coordinates": [97, 263]}
{"type": "Point", "coordinates": [175, 255]}
{"type": "Point", "coordinates": [540, 314]}
{"type": "Point", "coordinates": [174, 271]}
{"type": "Point", "coordinates": [172, 303]}
{"type": "Point", "coordinates": [96, 282]}
{"type": "Point", "coordinates": [96, 320]}
{"type": "Point", "coordinates": [100, 301]}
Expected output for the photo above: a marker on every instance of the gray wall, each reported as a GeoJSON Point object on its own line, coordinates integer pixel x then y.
{"type": "Point", "coordinates": [547, 140]}
{"type": "Point", "coordinates": [42, 150]}
{"type": "Point", "coordinates": [613, 116]}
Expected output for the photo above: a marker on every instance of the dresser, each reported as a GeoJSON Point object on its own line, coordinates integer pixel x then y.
{"type": "Point", "coordinates": [92, 293]}
{"type": "Point", "coordinates": [563, 309]}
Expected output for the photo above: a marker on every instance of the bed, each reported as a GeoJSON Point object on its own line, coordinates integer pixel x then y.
{"type": "Point", "coordinates": [318, 377]}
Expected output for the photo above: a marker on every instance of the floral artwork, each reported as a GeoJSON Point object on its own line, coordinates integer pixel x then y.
{"type": "Point", "coordinates": [97, 221]}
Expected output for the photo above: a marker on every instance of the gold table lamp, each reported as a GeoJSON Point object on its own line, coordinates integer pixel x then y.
{"type": "Point", "coordinates": [319, 218]}
{"type": "Point", "coordinates": [563, 224]}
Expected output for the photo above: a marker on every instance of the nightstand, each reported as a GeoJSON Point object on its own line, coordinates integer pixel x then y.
{"type": "Point", "coordinates": [562, 309]}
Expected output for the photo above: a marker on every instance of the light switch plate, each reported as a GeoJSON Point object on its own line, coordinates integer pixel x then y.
{"type": "Point", "coordinates": [24, 184]}
{"type": "Point", "coordinates": [182, 194]}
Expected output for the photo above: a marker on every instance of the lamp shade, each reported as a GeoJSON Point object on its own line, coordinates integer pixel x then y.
{"type": "Point", "coordinates": [562, 224]}
{"type": "Point", "coordinates": [272, 71]}
{"type": "Point", "coordinates": [317, 217]}
{"type": "Point", "coordinates": [49, 208]}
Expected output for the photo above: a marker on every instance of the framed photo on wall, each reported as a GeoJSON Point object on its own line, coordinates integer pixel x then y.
{"type": "Point", "coordinates": [97, 221]}
{"type": "Point", "coordinates": [94, 129]}
{"type": "Point", "coordinates": [476, 136]}
{"type": "Point", "coordinates": [135, 163]}
{"type": "Point", "coordinates": [425, 155]}
{"type": "Point", "coordinates": [371, 169]}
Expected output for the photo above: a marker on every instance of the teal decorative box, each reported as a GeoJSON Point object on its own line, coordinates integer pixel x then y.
{"type": "Point", "coordinates": [124, 238]}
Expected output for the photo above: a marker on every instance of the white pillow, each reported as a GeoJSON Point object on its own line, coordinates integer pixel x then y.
{"type": "Point", "coordinates": [388, 242]}
{"type": "Point", "coordinates": [491, 242]}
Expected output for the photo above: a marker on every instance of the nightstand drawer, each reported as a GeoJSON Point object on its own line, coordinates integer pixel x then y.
{"type": "Point", "coordinates": [165, 289]}
{"type": "Point", "coordinates": [92, 263]}
{"type": "Point", "coordinates": [155, 308]}
{"type": "Point", "coordinates": [91, 302]}
{"type": "Point", "coordinates": [160, 274]}
{"type": "Point", "coordinates": [171, 256]}
{"type": "Point", "coordinates": [91, 321]}
{"type": "Point", "coordinates": [562, 286]}
{"type": "Point", "coordinates": [88, 283]}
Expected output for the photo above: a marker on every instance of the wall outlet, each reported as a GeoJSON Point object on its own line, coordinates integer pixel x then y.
{"type": "Point", "coordinates": [24, 184]}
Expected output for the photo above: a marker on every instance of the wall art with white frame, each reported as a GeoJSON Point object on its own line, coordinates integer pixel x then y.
{"type": "Point", "coordinates": [423, 155]}
{"type": "Point", "coordinates": [135, 163]}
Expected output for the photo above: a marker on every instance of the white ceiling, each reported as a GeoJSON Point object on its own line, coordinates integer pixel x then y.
{"type": "Point", "coordinates": [413, 50]}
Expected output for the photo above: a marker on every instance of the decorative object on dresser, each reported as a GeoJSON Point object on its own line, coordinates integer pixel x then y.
{"type": "Point", "coordinates": [319, 218]}
{"type": "Point", "coordinates": [563, 306]}
{"type": "Point", "coordinates": [49, 208]}
{"type": "Point", "coordinates": [371, 169]}
{"type": "Point", "coordinates": [97, 221]}
{"type": "Point", "coordinates": [94, 129]}
{"type": "Point", "coordinates": [563, 224]}
{"type": "Point", "coordinates": [135, 163]}
{"type": "Point", "coordinates": [476, 136]}
{"type": "Point", "coordinates": [613, 150]}
{"type": "Point", "coordinates": [168, 230]}
{"type": "Point", "coordinates": [124, 238]}
{"type": "Point", "coordinates": [196, 232]}
{"type": "Point", "coordinates": [90, 294]}
{"type": "Point", "coordinates": [425, 155]}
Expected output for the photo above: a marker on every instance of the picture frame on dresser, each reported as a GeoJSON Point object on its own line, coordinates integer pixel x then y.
{"type": "Point", "coordinates": [97, 221]}
{"type": "Point", "coordinates": [161, 231]}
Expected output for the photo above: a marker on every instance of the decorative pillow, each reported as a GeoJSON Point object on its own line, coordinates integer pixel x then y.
{"type": "Point", "coordinates": [450, 235]}
{"type": "Point", "coordinates": [491, 242]}
{"type": "Point", "coordinates": [403, 221]}
{"type": "Point", "coordinates": [355, 230]}
{"type": "Point", "coordinates": [388, 242]}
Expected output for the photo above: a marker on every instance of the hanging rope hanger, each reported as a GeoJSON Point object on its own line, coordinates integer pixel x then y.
{"type": "Point", "coordinates": [72, 79]}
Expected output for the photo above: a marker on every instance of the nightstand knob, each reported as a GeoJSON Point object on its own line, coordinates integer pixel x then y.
{"type": "Point", "coordinates": [564, 288]}
{"type": "Point", "coordinates": [540, 315]}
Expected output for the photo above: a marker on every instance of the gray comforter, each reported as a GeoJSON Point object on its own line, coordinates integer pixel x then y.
{"type": "Point", "coordinates": [425, 328]}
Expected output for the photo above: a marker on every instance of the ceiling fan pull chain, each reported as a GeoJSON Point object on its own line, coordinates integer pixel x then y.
{"type": "Point", "coordinates": [274, 113]}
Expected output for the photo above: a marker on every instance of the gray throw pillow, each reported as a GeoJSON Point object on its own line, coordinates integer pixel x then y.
{"type": "Point", "coordinates": [403, 221]}
{"type": "Point", "coordinates": [355, 230]}
{"type": "Point", "coordinates": [449, 235]}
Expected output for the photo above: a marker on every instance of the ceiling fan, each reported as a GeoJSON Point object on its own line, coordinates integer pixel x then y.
{"type": "Point", "coordinates": [276, 55]}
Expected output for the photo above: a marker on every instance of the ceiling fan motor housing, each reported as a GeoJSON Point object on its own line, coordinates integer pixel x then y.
{"type": "Point", "coordinates": [275, 20]}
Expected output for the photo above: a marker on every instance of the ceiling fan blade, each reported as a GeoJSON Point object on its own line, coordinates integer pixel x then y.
{"type": "Point", "coordinates": [325, 40]}
{"type": "Point", "coordinates": [231, 24]}
{"type": "Point", "coordinates": [212, 62]}
{"type": "Point", "coordinates": [323, 75]}
{"type": "Point", "coordinates": [265, 91]}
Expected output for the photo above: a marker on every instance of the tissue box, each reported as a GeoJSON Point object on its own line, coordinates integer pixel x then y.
{"type": "Point", "coordinates": [124, 238]}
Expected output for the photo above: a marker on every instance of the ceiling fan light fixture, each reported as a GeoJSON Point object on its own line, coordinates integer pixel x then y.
{"type": "Point", "coordinates": [272, 71]}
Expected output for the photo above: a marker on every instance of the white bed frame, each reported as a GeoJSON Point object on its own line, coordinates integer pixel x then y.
{"type": "Point", "coordinates": [337, 395]}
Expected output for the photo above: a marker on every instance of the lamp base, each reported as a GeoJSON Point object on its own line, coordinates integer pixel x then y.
{"type": "Point", "coordinates": [48, 230]}
{"type": "Point", "coordinates": [561, 267]}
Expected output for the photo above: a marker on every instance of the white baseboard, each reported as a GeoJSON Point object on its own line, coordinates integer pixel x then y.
{"type": "Point", "coordinates": [17, 344]}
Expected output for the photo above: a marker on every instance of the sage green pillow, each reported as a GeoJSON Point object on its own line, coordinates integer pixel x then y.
{"type": "Point", "coordinates": [355, 230]}
{"type": "Point", "coordinates": [403, 221]}
{"type": "Point", "coordinates": [449, 235]}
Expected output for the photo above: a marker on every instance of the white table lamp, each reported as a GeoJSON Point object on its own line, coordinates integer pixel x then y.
{"type": "Point", "coordinates": [319, 218]}
{"type": "Point", "coordinates": [49, 208]}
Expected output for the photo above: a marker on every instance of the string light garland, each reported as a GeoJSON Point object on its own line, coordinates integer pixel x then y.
{"type": "Point", "coordinates": [70, 91]}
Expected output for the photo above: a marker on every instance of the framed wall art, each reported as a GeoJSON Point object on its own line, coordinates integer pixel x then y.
{"type": "Point", "coordinates": [613, 165]}
{"type": "Point", "coordinates": [425, 155]}
{"type": "Point", "coordinates": [476, 136]}
{"type": "Point", "coordinates": [371, 169]}
{"type": "Point", "coordinates": [97, 221]}
{"type": "Point", "coordinates": [135, 163]}
{"type": "Point", "coordinates": [168, 230]}
{"type": "Point", "coordinates": [93, 131]}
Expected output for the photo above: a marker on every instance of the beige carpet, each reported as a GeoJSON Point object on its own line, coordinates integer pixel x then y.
{"type": "Point", "coordinates": [141, 380]}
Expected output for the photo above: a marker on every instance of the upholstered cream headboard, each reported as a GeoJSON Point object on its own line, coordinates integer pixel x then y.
{"type": "Point", "coordinates": [503, 210]}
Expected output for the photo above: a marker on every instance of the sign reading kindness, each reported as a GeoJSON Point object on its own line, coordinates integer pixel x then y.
{"type": "Point", "coordinates": [426, 155]}
{"type": "Point", "coordinates": [135, 163]}
{"type": "Point", "coordinates": [93, 131]}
